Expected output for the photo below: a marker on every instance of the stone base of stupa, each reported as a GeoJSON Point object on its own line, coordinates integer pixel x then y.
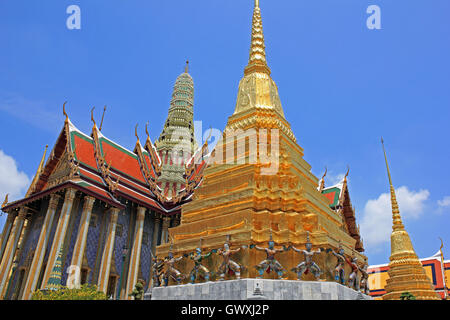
{"type": "Point", "coordinates": [257, 289]}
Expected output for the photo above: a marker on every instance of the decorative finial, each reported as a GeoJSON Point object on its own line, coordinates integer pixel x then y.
{"type": "Point", "coordinates": [6, 201]}
{"type": "Point", "coordinates": [64, 111]}
{"type": "Point", "coordinates": [101, 123]}
{"type": "Point", "coordinates": [307, 237]}
{"type": "Point", "coordinates": [146, 129]}
{"type": "Point", "coordinates": [135, 131]}
{"type": "Point", "coordinates": [385, 158]}
{"type": "Point", "coordinates": [257, 59]}
{"type": "Point", "coordinates": [348, 170]}
{"type": "Point", "coordinates": [186, 68]}
{"type": "Point", "coordinates": [326, 170]}
{"type": "Point", "coordinates": [92, 116]}
{"type": "Point", "coordinates": [442, 244]}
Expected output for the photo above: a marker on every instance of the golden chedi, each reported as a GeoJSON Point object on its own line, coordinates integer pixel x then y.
{"type": "Point", "coordinates": [406, 273]}
{"type": "Point", "coordinates": [257, 186]}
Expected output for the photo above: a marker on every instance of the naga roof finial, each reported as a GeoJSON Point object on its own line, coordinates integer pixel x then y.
{"type": "Point", "coordinates": [64, 111]}
{"type": "Point", "coordinates": [135, 131]}
{"type": "Point", "coordinates": [348, 170]}
{"type": "Point", "coordinates": [92, 116]}
{"type": "Point", "coordinates": [103, 115]}
{"type": "Point", "coordinates": [146, 129]}
{"type": "Point", "coordinates": [326, 170]}
{"type": "Point", "coordinates": [6, 201]}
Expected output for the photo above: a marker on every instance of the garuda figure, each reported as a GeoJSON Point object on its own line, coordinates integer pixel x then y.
{"type": "Point", "coordinates": [228, 265]}
{"type": "Point", "coordinates": [199, 269]}
{"type": "Point", "coordinates": [308, 264]}
{"type": "Point", "coordinates": [169, 269]}
{"type": "Point", "coordinates": [270, 263]}
{"type": "Point", "coordinates": [364, 282]}
{"type": "Point", "coordinates": [339, 272]}
{"type": "Point", "coordinates": [352, 283]}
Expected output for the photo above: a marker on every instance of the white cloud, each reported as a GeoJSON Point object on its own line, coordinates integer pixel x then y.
{"type": "Point", "coordinates": [445, 202]}
{"type": "Point", "coordinates": [376, 222]}
{"type": "Point", "coordinates": [12, 180]}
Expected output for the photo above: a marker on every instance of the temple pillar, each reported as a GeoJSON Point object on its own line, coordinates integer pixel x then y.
{"type": "Point", "coordinates": [105, 265]}
{"type": "Point", "coordinates": [60, 234]}
{"type": "Point", "coordinates": [6, 232]}
{"type": "Point", "coordinates": [135, 252]}
{"type": "Point", "coordinates": [155, 232]}
{"type": "Point", "coordinates": [165, 230]}
{"type": "Point", "coordinates": [80, 244]}
{"type": "Point", "coordinates": [39, 253]}
{"type": "Point", "coordinates": [10, 250]}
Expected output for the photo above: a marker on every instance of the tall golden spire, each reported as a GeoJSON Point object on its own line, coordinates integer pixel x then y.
{"type": "Point", "coordinates": [397, 220]}
{"type": "Point", "coordinates": [406, 273]}
{"type": "Point", "coordinates": [257, 60]}
{"type": "Point", "coordinates": [257, 90]}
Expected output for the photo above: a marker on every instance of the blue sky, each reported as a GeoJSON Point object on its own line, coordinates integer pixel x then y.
{"type": "Point", "coordinates": [342, 87]}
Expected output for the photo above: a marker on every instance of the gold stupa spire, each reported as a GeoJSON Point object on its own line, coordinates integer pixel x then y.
{"type": "Point", "coordinates": [406, 273]}
{"type": "Point", "coordinates": [257, 60]}
{"type": "Point", "coordinates": [397, 220]}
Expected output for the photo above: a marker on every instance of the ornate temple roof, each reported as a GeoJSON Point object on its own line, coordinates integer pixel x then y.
{"type": "Point", "coordinates": [108, 171]}
{"type": "Point", "coordinates": [338, 197]}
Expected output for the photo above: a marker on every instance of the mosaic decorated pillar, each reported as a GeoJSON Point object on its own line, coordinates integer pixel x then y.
{"type": "Point", "coordinates": [136, 252]}
{"type": "Point", "coordinates": [105, 265]}
{"type": "Point", "coordinates": [80, 244]}
{"type": "Point", "coordinates": [165, 230]}
{"type": "Point", "coordinates": [38, 258]}
{"type": "Point", "coordinates": [10, 249]}
{"type": "Point", "coordinates": [60, 234]}
{"type": "Point", "coordinates": [6, 232]}
{"type": "Point", "coordinates": [156, 232]}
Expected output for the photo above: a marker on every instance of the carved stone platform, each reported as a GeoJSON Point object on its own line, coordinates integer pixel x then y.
{"type": "Point", "coordinates": [257, 289]}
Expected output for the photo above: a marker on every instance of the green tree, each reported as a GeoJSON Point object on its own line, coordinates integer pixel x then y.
{"type": "Point", "coordinates": [138, 291]}
{"type": "Point", "coordinates": [407, 296]}
{"type": "Point", "coordinates": [85, 292]}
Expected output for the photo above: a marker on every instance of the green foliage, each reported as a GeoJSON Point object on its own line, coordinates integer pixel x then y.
{"type": "Point", "coordinates": [407, 296]}
{"type": "Point", "coordinates": [85, 292]}
{"type": "Point", "coordinates": [138, 291]}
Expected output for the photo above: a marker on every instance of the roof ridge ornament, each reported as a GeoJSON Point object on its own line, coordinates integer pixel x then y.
{"type": "Point", "coordinates": [135, 132]}
{"type": "Point", "coordinates": [5, 202]}
{"type": "Point", "coordinates": [64, 112]}
{"type": "Point", "coordinates": [103, 115]}
{"type": "Point", "coordinates": [92, 117]}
